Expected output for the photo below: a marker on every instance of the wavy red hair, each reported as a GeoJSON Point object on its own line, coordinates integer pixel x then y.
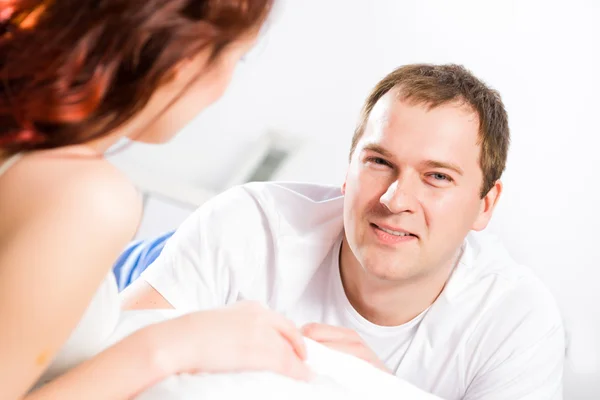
{"type": "Point", "coordinates": [74, 70]}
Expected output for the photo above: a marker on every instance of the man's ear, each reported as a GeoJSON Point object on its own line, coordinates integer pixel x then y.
{"type": "Point", "coordinates": [487, 206]}
{"type": "Point", "coordinates": [344, 184]}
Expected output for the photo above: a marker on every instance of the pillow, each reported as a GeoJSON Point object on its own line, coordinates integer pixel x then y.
{"type": "Point", "coordinates": [337, 376]}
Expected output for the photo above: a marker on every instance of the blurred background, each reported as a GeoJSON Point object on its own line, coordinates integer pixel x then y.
{"type": "Point", "coordinates": [294, 102]}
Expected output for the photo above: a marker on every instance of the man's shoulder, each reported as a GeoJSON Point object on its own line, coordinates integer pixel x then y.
{"type": "Point", "coordinates": [486, 255]}
{"type": "Point", "coordinates": [299, 205]}
{"type": "Point", "coordinates": [496, 307]}
{"type": "Point", "coordinates": [503, 321]}
{"type": "Point", "coordinates": [293, 191]}
{"type": "Point", "coordinates": [509, 290]}
{"type": "Point", "coordinates": [269, 210]}
{"type": "Point", "coordinates": [488, 287]}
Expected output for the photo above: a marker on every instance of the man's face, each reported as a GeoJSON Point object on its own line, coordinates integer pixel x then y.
{"type": "Point", "coordinates": [412, 190]}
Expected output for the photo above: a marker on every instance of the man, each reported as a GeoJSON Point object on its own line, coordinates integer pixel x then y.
{"type": "Point", "coordinates": [388, 268]}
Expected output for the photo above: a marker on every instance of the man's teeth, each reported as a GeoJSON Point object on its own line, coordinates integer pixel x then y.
{"type": "Point", "coordinates": [395, 233]}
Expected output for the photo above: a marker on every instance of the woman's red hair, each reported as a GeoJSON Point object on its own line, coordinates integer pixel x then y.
{"type": "Point", "coordinates": [74, 70]}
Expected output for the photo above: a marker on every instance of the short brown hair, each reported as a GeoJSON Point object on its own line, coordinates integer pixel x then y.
{"type": "Point", "coordinates": [75, 70]}
{"type": "Point", "coordinates": [435, 85]}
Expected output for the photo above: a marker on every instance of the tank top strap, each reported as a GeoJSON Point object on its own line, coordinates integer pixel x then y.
{"type": "Point", "coordinates": [9, 162]}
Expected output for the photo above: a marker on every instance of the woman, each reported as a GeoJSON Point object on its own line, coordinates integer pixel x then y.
{"type": "Point", "coordinates": [77, 76]}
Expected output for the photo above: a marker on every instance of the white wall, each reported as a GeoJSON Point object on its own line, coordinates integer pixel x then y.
{"type": "Point", "coordinates": [319, 60]}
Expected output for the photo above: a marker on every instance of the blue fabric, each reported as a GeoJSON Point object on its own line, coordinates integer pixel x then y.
{"type": "Point", "coordinates": [137, 257]}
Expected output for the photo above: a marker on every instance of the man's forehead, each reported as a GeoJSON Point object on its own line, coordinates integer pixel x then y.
{"type": "Point", "coordinates": [381, 111]}
{"type": "Point", "coordinates": [384, 109]}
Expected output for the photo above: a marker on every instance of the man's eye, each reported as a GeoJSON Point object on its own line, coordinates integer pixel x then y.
{"type": "Point", "coordinates": [441, 177]}
{"type": "Point", "coordinates": [379, 161]}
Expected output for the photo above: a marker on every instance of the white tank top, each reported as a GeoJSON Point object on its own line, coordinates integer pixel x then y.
{"type": "Point", "coordinates": [94, 328]}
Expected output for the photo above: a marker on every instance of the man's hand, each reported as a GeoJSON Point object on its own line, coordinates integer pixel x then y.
{"type": "Point", "coordinates": [344, 340]}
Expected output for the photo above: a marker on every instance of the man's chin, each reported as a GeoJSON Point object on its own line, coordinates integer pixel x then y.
{"type": "Point", "coordinates": [388, 272]}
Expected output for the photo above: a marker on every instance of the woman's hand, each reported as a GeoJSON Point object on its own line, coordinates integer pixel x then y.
{"type": "Point", "coordinates": [241, 337]}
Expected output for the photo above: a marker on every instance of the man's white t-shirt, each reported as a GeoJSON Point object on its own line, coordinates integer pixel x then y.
{"type": "Point", "coordinates": [495, 332]}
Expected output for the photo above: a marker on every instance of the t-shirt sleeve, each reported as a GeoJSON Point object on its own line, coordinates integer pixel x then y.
{"type": "Point", "coordinates": [521, 348]}
{"type": "Point", "coordinates": [212, 255]}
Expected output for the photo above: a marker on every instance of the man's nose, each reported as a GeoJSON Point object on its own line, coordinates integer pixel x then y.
{"type": "Point", "coordinates": [400, 196]}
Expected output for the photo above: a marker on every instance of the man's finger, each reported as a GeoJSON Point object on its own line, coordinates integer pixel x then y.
{"type": "Point", "coordinates": [328, 333]}
{"type": "Point", "coordinates": [352, 349]}
{"type": "Point", "coordinates": [358, 350]}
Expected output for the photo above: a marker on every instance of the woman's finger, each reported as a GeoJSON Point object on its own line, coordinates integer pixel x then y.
{"type": "Point", "coordinates": [280, 357]}
{"type": "Point", "coordinates": [291, 333]}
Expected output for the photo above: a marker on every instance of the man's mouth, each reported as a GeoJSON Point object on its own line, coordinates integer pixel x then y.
{"type": "Point", "coordinates": [395, 232]}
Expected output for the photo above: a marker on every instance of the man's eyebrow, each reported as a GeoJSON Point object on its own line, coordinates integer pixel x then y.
{"type": "Point", "coordinates": [444, 165]}
{"type": "Point", "coordinates": [378, 149]}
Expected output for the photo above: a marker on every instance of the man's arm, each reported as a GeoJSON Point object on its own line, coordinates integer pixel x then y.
{"type": "Point", "coordinates": [141, 296]}
{"type": "Point", "coordinates": [208, 260]}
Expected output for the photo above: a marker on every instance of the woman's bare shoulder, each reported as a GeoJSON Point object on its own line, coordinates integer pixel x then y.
{"type": "Point", "coordinates": [76, 186]}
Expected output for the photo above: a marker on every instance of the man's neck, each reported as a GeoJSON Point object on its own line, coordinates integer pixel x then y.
{"type": "Point", "coordinates": [390, 303]}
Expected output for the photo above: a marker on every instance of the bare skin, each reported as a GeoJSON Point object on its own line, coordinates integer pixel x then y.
{"type": "Point", "coordinates": [79, 212]}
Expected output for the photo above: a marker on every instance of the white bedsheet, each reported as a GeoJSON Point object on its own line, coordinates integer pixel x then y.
{"type": "Point", "coordinates": [337, 376]}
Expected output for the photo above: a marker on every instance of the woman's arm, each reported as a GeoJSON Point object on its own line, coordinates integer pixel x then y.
{"type": "Point", "coordinates": [120, 372]}
{"type": "Point", "coordinates": [241, 337]}
{"type": "Point", "coordinates": [62, 224]}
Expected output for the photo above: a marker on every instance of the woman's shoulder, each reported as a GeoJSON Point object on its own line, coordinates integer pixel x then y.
{"type": "Point", "coordinates": [73, 183]}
